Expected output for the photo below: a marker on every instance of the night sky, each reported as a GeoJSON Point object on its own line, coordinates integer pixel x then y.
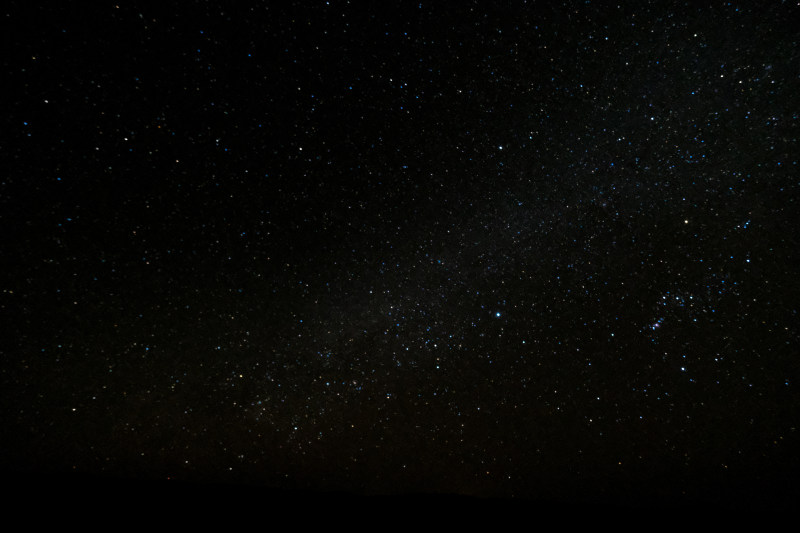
{"type": "Point", "coordinates": [544, 251]}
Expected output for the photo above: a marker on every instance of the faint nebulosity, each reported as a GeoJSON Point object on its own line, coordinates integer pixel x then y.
{"type": "Point", "coordinates": [538, 251]}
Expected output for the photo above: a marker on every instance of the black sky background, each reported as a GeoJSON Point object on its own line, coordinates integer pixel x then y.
{"type": "Point", "coordinates": [543, 250]}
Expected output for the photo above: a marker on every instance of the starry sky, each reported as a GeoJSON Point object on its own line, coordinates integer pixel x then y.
{"type": "Point", "coordinates": [540, 250]}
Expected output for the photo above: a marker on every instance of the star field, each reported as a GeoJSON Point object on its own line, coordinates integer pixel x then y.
{"type": "Point", "coordinates": [542, 251]}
